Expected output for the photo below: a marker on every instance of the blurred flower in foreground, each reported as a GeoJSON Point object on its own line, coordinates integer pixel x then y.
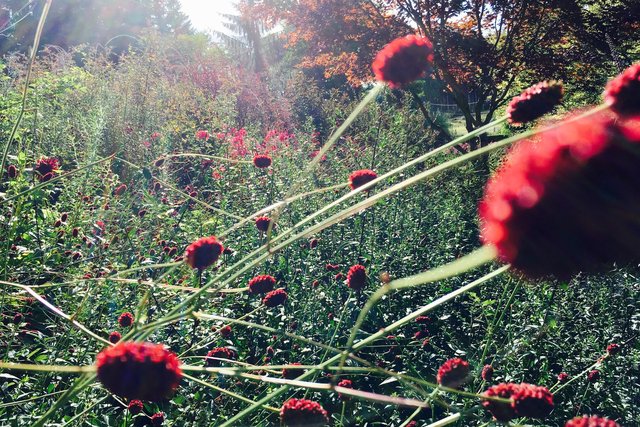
{"type": "Point", "coordinates": [534, 102]}
{"type": "Point", "coordinates": [403, 61]}
{"type": "Point", "coordinates": [622, 94]}
{"type": "Point", "coordinates": [203, 252]}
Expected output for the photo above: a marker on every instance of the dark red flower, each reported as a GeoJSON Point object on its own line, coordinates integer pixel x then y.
{"type": "Point", "coordinates": [592, 421]}
{"type": "Point", "coordinates": [339, 277]}
{"type": "Point", "coordinates": [412, 424]}
{"type": "Point", "coordinates": [17, 318]}
{"type": "Point", "coordinates": [423, 320]}
{"type": "Point", "coordinates": [303, 413]}
{"type": "Point", "coordinates": [313, 243]}
{"type": "Point", "coordinates": [126, 319]}
{"type": "Point", "coordinates": [613, 349]}
{"type": "Point", "coordinates": [563, 377]}
{"type": "Point", "coordinates": [421, 334]}
{"type": "Point", "coordinates": [345, 384]}
{"type": "Point", "coordinates": [114, 337]}
{"type": "Point", "coordinates": [46, 168]}
{"type": "Point", "coordinates": [361, 177]}
{"type": "Point", "coordinates": [203, 252]}
{"type": "Point", "coordinates": [262, 284]}
{"type": "Point", "coordinates": [593, 376]}
{"type": "Point", "coordinates": [357, 277]}
{"type": "Point", "coordinates": [202, 135]}
{"type": "Point", "coordinates": [453, 373]}
{"type": "Point", "coordinates": [12, 171]}
{"type": "Point", "coordinates": [532, 401]}
{"type": "Point", "coordinates": [292, 373]}
{"type": "Point", "coordinates": [262, 161]}
{"type": "Point", "coordinates": [157, 419]}
{"type": "Point", "coordinates": [120, 190]}
{"type": "Point", "coordinates": [568, 202]}
{"type": "Point", "coordinates": [501, 411]}
{"type": "Point", "coordinates": [275, 298]}
{"type": "Point", "coordinates": [534, 102]}
{"type": "Point", "coordinates": [225, 331]}
{"type": "Point", "coordinates": [64, 217]}
{"type": "Point", "coordinates": [404, 60]}
{"type": "Point", "coordinates": [135, 407]}
{"type": "Point", "coordinates": [159, 162]}
{"type": "Point", "coordinates": [332, 267]}
{"type": "Point", "coordinates": [219, 353]}
{"type": "Point", "coordinates": [141, 371]}
{"type": "Point", "coordinates": [262, 223]}
{"type": "Point", "coordinates": [487, 372]}
{"type": "Point", "coordinates": [622, 94]}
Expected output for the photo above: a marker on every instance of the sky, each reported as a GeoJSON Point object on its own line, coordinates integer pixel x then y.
{"type": "Point", "coordinates": [204, 14]}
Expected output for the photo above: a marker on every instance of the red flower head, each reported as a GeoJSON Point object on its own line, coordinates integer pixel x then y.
{"type": "Point", "coordinates": [357, 277]}
{"type": "Point", "coordinates": [135, 407]}
{"type": "Point", "coordinates": [303, 413]}
{"type": "Point", "coordinates": [226, 331]}
{"type": "Point", "coordinates": [46, 168]}
{"type": "Point", "coordinates": [501, 411]}
{"type": "Point", "coordinates": [155, 135]}
{"type": "Point", "coordinates": [203, 252]}
{"type": "Point", "coordinates": [345, 384]}
{"type": "Point", "coordinates": [403, 61]}
{"type": "Point", "coordinates": [219, 353]}
{"type": "Point", "coordinates": [142, 371]}
{"type": "Point", "coordinates": [262, 223]}
{"type": "Point", "coordinates": [275, 298]}
{"type": "Point", "coordinates": [361, 177]}
{"type": "Point", "coordinates": [292, 373]}
{"type": "Point", "coordinates": [593, 376]}
{"type": "Point", "coordinates": [453, 373]}
{"type": "Point", "coordinates": [262, 161]}
{"type": "Point", "coordinates": [534, 102]}
{"type": "Point", "coordinates": [157, 419]}
{"type": "Point", "coordinates": [262, 284]}
{"type": "Point", "coordinates": [554, 207]}
{"type": "Point", "coordinates": [114, 337]}
{"type": "Point", "coordinates": [423, 320]}
{"type": "Point", "coordinates": [622, 94]}
{"type": "Point", "coordinates": [202, 135]}
{"type": "Point", "coordinates": [563, 377]}
{"type": "Point", "coordinates": [532, 401]}
{"type": "Point", "coordinates": [591, 422]}
{"type": "Point", "coordinates": [613, 349]}
{"type": "Point", "coordinates": [120, 189]}
{"type": "Point", "coordinates": [12, 171]}
{"type": "Point", "coordinates": [487, 373]}
{"type": "Point", "coordinates": [126, 319]}
{"type": "Point", "coordinates": [332, 267]}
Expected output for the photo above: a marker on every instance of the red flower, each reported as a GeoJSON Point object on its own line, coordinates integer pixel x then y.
{"type": "Point", "coordinates": [120, 189]}
{"type": "Point", "coordinates": [202, 135]}
{"type": "Point", "coordinates": [592, 421]}
{"type": "Point", "coordinates": [219, 353]}
{"type": "Point", "coordinates": [421, 334]}
{"type": "Point", "coordinates": [501, 411]}
{"type": "Point", "coordinates": [303, 413]}
{"type": "Point", "coordinates": [563, 377]}
{"type": "Point", "coordinates": [487, 372]}
{"type": "Point", "coordinates": [613, 349]}
{"type": "Point", "coordinates": [262, 284]}
{"type": "Point", "coordinates": [345, 384]}
{"type": "Point", "coordinates": [404, 60]}
{"type": "Point", "coordinates": [46, 168]}
{"type": "Point", "coordinates": [12, 171]}
{"type": "Point", "coordinates": [275, 298]}
{"type": "Point", "coordinates": [203, 252]}
{"type": "Point", "coordinates": [593, 376]}
{"type": "Point", "coordinates": [225, 331]}
{"type": "Point", "coordinates": [534, 102]}
{"type": "Point", "coordinates": [357, 277]}
{"type": "Point", "coordinates": [157, 419]}
{"type": "Point", "coordinates": [554, 207]}
{"type": "Point", "coordinates": [142, 371]}
{"type": "Point", "coordinates": [135, 407]}
{"type": "Point", "coordinates": [155, 135]}
{"type": "Point", "coordinates": [332, 267]}
{"type": "Point", "coordinates": [339, 277]}
{"type": "Point", "coordinates": [361, 177]}
{"type": "Point", "coordinates": [262, 223]}
{"type": "Point", "coordinates": [292, 373]}
{"type": "Point", "coordinates": [423, 320]}
{"type": "Point", "coordinates": [453, 373]}
{"type": "Point", "coordinates": [126, 319]}
{"type": "Point", "coordinates": [622, 94]}
{"type": "Point", "coordinates": [114, 337]}
{"type": "Point", "coordinates": [262, 161]}
{"type": "Point", "coordinates": [532, 401]}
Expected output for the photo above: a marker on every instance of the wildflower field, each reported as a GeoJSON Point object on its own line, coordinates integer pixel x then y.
{"type": "Point", "coordinates": [275, 226]}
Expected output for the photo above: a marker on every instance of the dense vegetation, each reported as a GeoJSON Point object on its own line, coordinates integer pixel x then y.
{"type": "Point", "coordinates": [155, 147]}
